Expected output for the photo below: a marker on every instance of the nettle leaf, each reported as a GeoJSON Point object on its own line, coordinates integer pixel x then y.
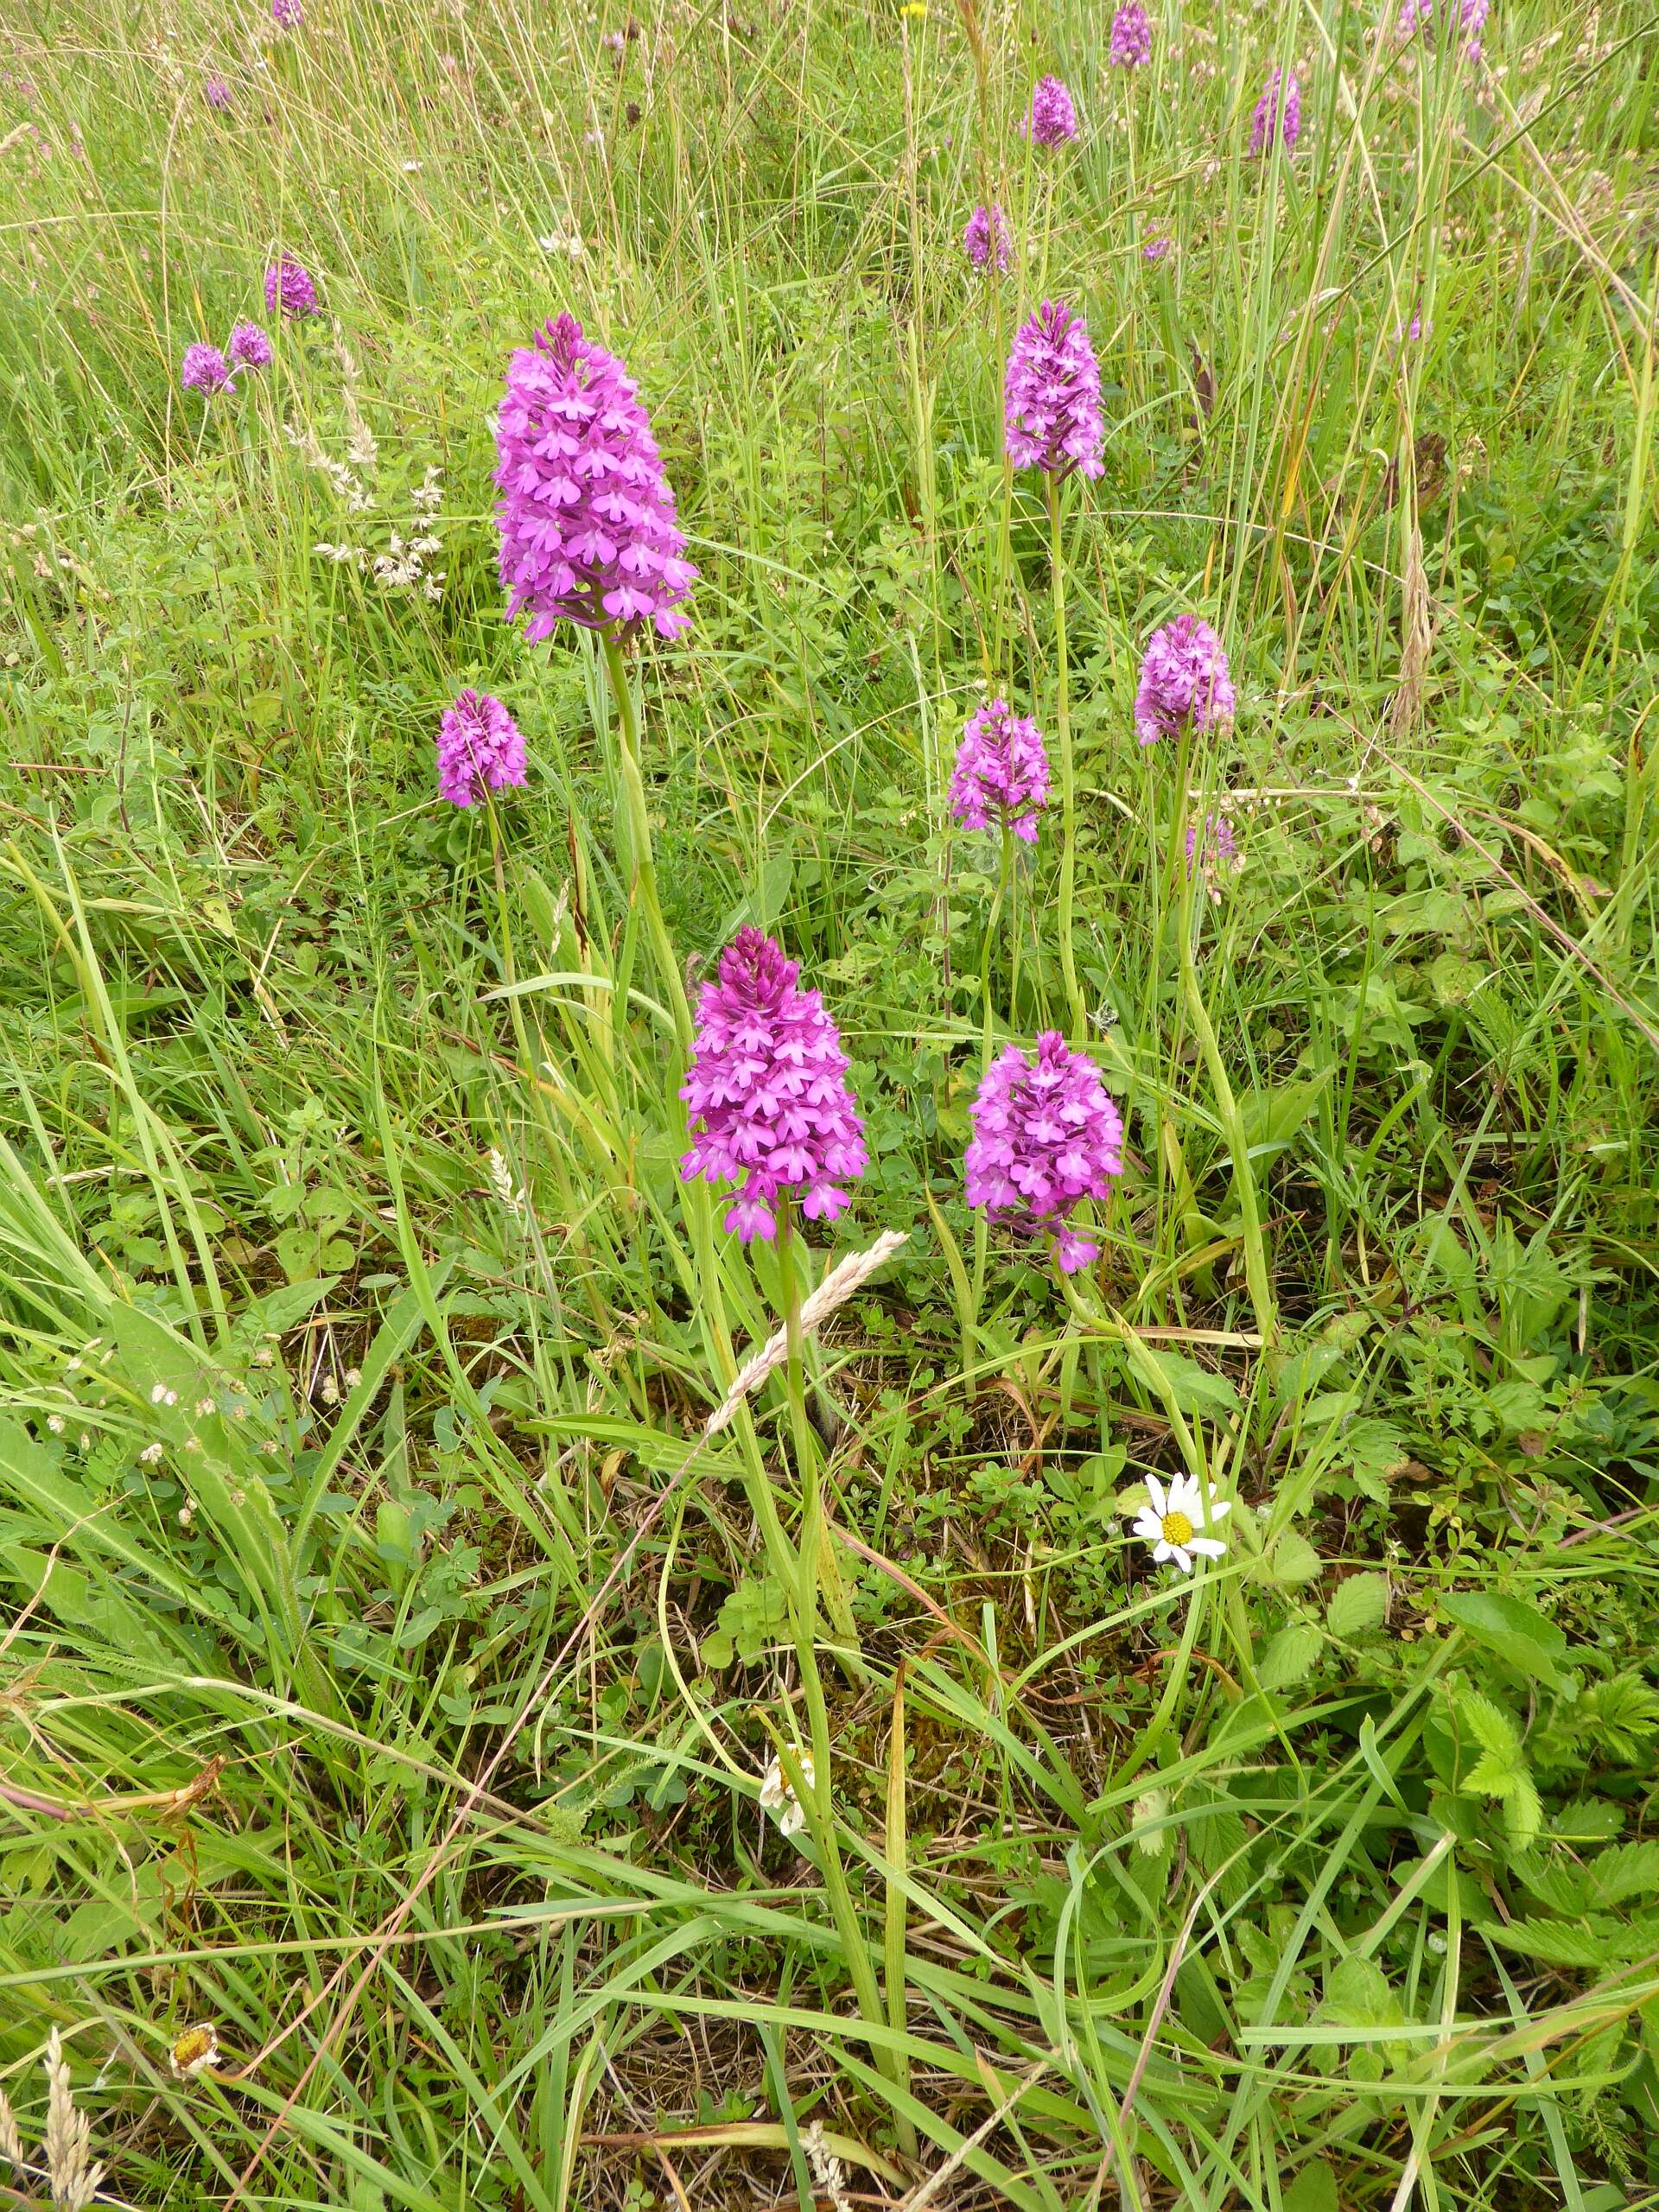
{"type": "Point", "coordinates": [1629, 1870]}
{"type": "Point", "coordinates": [1490, 1726]}
{"type": "Point", "coordinates": [1358, 1606]}
{"type": "Point", "coordinates": [1591, 1820]}
{"type": "Point", "coordinates": [1598, 1940]}
{"type": "Point", "coordinates": [1521, 1635]}
{"type": "Point", "coordinates": [1290, 1558]}
{"type": "Point", "coordinates": [1289, 1655]}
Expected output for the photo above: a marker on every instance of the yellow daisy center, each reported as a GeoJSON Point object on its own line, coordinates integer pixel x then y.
{"type": "Point", "coordinates": [1178, 1529]}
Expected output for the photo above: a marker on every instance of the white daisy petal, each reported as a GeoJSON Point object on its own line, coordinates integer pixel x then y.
{"type": "Point", "coordinates": [1162, 1551]}
{"type": "Point", "coordinates": [1148, 1528]}
{"type": "Point", "coordinates": [1206, 1547]}
{"type": "Point", "coordinates": [1182, 1557]}
{"type": "Point", "coordinates": [1155, 1492]}
{"type": "Point", "coordinates": [1220, 1508]}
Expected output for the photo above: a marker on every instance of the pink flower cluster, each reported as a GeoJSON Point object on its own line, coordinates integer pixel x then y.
{"type": "Point", "coordinates": [986, 239]}
{"type": "Point", "coordinates": [289, 291]}
{"type": "Point", "coordinates": [1000, 778]}
{"type": "Point", "coordinates": [478, 745]}
{"type": "Point", "coordinates": [1473, 14]}
{"type": "Point", "coordinates": [204, 369]}
{"type": "Point", "coordinates": [250, 347]}
{"type": "Point", "coordinates": [1185, 682]}
{"type": "Point", "coordinates": [1053, 117]}
{"type": "Point", "coordinates": [1046, 1136]}
{"type": "Point", "coordinates": [588, 529]}
{"type": "Point", "coordinates": [1052, 395]}
{"type": "Point", "coordinates": [766, 1095]}
{"type": "Point", "coordinates": [1266, 119]}
{"type": "Point", "coordinates": [1214, 847]}
{"type": "Point", "coordinates": [216, 91]}
{"type": "Point", "coordinates": [1131, 37]}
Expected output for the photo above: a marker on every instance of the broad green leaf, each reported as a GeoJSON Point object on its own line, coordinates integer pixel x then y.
{"type": "Point", "coordinates": [1291, 1558]}
{"type": "Point", "coordinates": [1520, 1635]}
{"type": "Point", "coordinates": [1358, 1606]}
{"type": "Point", "coordinates": [1289, 1655]}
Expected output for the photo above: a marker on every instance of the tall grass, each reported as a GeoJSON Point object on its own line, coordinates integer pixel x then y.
{"type": "Point", "coordinates": [390, 1661]}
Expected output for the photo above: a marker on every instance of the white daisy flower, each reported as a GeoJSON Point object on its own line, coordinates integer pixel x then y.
{"type": "Point", "coordinates": [1171, 1521]}
{"type": "Point", "coordinates": [778, 1796]}
{"type": "Point", "coordinates": [195, 2051]}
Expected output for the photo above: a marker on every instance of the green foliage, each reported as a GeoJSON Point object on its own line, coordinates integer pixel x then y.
{"type": "Point", "coordinates": [389, 1663]}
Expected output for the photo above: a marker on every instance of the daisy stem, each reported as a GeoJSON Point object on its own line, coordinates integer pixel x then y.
{"type": "Point", "coordinates": [1068, 776]}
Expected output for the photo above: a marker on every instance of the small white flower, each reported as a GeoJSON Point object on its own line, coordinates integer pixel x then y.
{"type": "Point", "coordinates": [330, 1391]}
{"type": "Point", "coordinates": [150, 1455]}
{"type": "Point", "coordinates": [409, 168]}
{"type": "Point", "coordinates": [161, 1395]}
{"type": "Point", "coordinates": [1170, 1525]}
{"type": "Point", "coordinates": [196, 2051]}
{"type": "Point", "coordinates": [54, 1422]}
{"type": "Point", "coordinates": [777, 1796]}
{"type": "Point", "coordinates": [552, 243]}
{"type": "Point", "coordinates": [353, 1377]}
{"type": "Point", "coordinates": [205, 1408]}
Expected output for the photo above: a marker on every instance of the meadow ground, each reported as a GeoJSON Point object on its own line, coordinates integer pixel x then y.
{"type": "Point", "coordinates": [537, 1791]}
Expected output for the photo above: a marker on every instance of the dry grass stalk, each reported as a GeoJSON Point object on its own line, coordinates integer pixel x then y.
{"type": "Point", "coordinates": [1416, 636]}
{"type": "Point", "coordinates": [71, 2173]}
{"type": "Point", "coordinates": [837, 1286]}
{"type": "Point", "coordinates": [12, 2142]}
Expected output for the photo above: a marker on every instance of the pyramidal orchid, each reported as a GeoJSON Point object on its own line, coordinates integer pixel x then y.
{"type": "Point", "coordinates": [986, 241]}
{"type": "Point", "coordinates": [1046, 1137]}
{"type": "Point", "coordinates": [289, 289]}
{"type": "Point", "coordinates": [480, 746]}
{"type": "Point", "coordinates": [1053, 117]}
{"type": "Point", "coordinates": [1270, 117]}
{"type": "Point", "coordinates": [588, 529]}
{"type": "Point", "coordinates": [204, 369]}
{"type": "Point", "coordinates": [1131, 37]}
{"type": "Point", "coordinates": [1000, 778]}
{"type": "Point", "coordinates": [766, 1094]}
{"type": "Point", "coordinates": [1185, 682]}
{"type": "Point", "coordinates": [1051, 395]}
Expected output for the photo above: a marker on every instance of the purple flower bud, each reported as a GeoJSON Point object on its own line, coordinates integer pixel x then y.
{"type": "Point", "coordinates": [1185, 682]}
{"type": "Point", "coordinates": [588, 529]}
{"type": "Point", "coordinates": [766, 1095]}
{"type": "Point", "coordinates": [204, 369]}
{"type": "Point", "coordinates": [1052, 395]}
{"type": "Point", "coordinates": [1053, 117]}
{"type": "Point", "coordinates": [1215, 851]}
{"type": "Point", "coordinates": [986, 238]}
{"type": "Point", "coordinates": [290, 291]}
{"type": "Point", "coordinates": [1046, 1136]}
{"type": "Point", "coordinates": [1266, 120]}
{"type": "Point", "coordinates": [287, 15]}
{"type": "Point", "coordinates": [216, 91]}
{"type": "Point", "coordinates": [1415, 14]}
{"type": "Point", "coordinates": [1155, 249]}
{"type": "Point", "coordinates": [1131, 37]}
{"type": "Point", "coordinates": [1000, 778]}
{"type": "Point", "coordinates": [249, 347]}
{"type": "Point", "coordinates": [479, 744]}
